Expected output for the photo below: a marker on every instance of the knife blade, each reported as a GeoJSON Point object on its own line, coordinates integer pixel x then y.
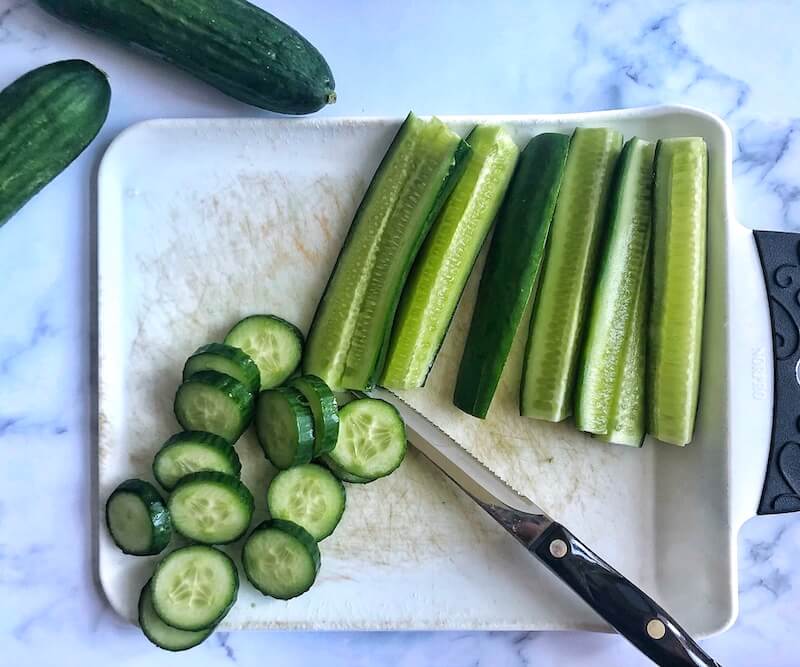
{"type": "Point", "coordinates": [628, 609]}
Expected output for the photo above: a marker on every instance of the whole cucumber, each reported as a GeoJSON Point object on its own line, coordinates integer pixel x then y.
{"type": "Point", "coordinates": [47, 117]}
{"type": "Point", "coordinates": [231, 44]}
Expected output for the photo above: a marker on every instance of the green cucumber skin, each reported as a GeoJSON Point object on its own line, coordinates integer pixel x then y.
{"type": "Point", "coordinates": [305, 424]}
{"type": "Point", "coordinates": [559, 312]}
{"type": "Point", "coordinates": [323, 442]}
{"type": "Point", "coordinates": [621, 279]}
{"type": "Point", "coordinates": [511, 271]}
{"type": "Point", "coordinates": [162, 523]}
{"type": "Point", "coordinates": [47, 118]}
{"type": "Point", "coordinates": [490, 144]}
{"type": "Point", "coordinates": [248, 372]}
{"type": "Point", "coordinates": [232, 45]}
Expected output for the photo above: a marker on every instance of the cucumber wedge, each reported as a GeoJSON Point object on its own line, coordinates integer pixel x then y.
{"type": "Point", "coordinates": [511, 271]}
{"type": "Point", "coordinates": [605, 368]}
{"type": "Point", "coordinates": [548, 378]}
{"type": "Point", "coordinates": [445, 261]}
{"type": "Point", "coordinates": [348, 338]}
{"type": "Point", "coordinates": [216, 403]}
{"type": "Point", "coordinates": [678, 294]}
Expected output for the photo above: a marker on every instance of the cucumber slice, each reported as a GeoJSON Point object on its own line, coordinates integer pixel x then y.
{"type": "Point", "coordinates": [548, 378]}
{"type": "Point", "coordinates": [273, 343]}
{"type": "Point", "coordinates": [193, 451]}
{"type": "Point", "coordinates": [281, 559]}
{"type": "Point", "coordinates": [161, 634]}
{"type": "Point", "coordinates": [372, 439]}
{"type": "Point", "coordinates": [137, 518]}
{"type": "Point", "coordinates": [348, 339]}
{"type": "Point", "coordinates": [308, 495]}
{"type": "Point", "coordinates": [607, 367]}
{"type": "Point", "coordinates": [285, 427]}
{"type": "Point", "coordinates": [679, 281]}
{"type": "Point", "coordinates": [324, 409]}
{"type": "Point", "coordinates": [224, 359]}
{"type": "Point", "coordinates": [511, 271]}
{"type": "Point", "coordinates": [194, 587]}
{"type": "Point", "coordinates": [211, 507]}
{"type": "Point", "coordinates": [216, 403]}
{"type": "Point", "coordinates": [341, 473]}
{"type": "Point", "coordinates": [445, 261]}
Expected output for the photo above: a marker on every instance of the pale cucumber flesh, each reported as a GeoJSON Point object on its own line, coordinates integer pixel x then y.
{"type": "Point", "coordinates": [678, 293]}
{"type": "Point", "coordinates": [561, 303]}
{"type": "Point", "coordinates": [445, 261]}
{"type": "Point", "coordinates": [605, 362]}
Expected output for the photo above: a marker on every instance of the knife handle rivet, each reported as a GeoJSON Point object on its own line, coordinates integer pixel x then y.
{"type": "Point", "coordinates": [656, 629]}
{"type": "Point", "coordinates": [558, 548]}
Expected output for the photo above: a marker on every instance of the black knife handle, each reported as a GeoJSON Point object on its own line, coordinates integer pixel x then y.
{"type": "Point", "coordinates": [624, 606]}
{"type": "Point", "coordinates": [780, 260]}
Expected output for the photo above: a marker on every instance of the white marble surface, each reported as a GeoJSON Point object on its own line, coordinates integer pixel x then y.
{"type": "Point", "coordinates": [739, 59]}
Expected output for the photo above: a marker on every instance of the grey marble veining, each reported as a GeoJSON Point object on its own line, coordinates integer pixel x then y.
{"type": "Point", "coordinates": [738, 59]}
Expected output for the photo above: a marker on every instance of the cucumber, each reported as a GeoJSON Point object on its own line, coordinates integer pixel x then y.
{"type": "Point", "coordinates": [47, 118]}
{"type": "Point", "coordinates": [608, 362]}
{"type": "Point", "coordinates": [445, 261]}
{"type": "Point", "coordinates": [324, 409]}
{"type": "Point", "coordinates": [216, 403]}
{"type": "Point", "coordinates": [274, 344]}
{"type": "Point", "coordinates": [348, 338]}
{"type": "Point", "coordinates": [341, 473]}
{"type": "Point", "coordinates": [308, 495]}
{"type": "Point", "coordinates": [285, 427]}
{"type": "Point", "coordinates": [224, 359]}
{"type": "Point", "coordinates": [679, 281]}
{"type": "Point", "coordinates": [548, 377]}
{"type": "Point", "coordinates": [372, 439]}
{"type": "Point", "coordinates": [138, 519]}
{"type": "Point", "coordinates": [194, 587]}
{"type": "Point", "coordinates": [230, 44]}
{"type": "Point", "coordinates": [161, 634]}
{"type": "Point", "coordinates": [511, 270]}
{"type": "Point", "coordinates": [211, 507]}
{"type": "Point", "coordinates": [281, 559]}
{"type": "Point", "coordinates": [194, 451]}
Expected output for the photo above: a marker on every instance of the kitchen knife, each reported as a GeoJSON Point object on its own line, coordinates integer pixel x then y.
{"type": "Point", "coordinates": [622, 604]}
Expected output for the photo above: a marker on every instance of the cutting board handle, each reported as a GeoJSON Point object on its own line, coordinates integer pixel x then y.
{"type": "Point", "coordinates": [780, 260]}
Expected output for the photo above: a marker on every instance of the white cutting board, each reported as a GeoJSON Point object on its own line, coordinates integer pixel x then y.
{"type": "Point", "coordinates": [202, 222]}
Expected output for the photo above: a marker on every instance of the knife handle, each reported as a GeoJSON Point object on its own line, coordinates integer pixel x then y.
{"type": "Point", "coordinates": [622, 604]}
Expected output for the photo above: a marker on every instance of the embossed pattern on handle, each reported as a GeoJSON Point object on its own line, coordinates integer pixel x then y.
{"type": "Point", "coordinates": [780, 260]}
{"type": "Point", "coordinates": [635, 615]}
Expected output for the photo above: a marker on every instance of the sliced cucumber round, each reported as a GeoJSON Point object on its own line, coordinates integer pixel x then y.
{"type": "Point", "coordinates": [138, 519]}
{"type": "Point", "coordinates": [224, 359]}
{"type": "Point", "coordinates": [194, 587]}
{"type": "Point", "coordinates": [341, 473]}
{"type": "Point", "coordinates": [308, 495]}
{"type": "Point", "coordinates": [322, 402]}
{"type": "Point", "coordinates": [161, 634]}
{"type": "Point", "coordinates": [193, 451]}
{"type": "Point", "coordinates": [281, 559]}
{"type": "Point", "coordinates": [216, 403]}
{"type": "Point", "coordinates": [274, 344]}
{"type": "Point", "coordinates": [211, 507]}
{"type": "Point", "coordinates": [285, 427]}
{"type": "Point", "coordinates": [372, 439]}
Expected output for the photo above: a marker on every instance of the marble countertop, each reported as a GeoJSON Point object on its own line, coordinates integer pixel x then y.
{"type": "Point", "coordinates": [738, 59]}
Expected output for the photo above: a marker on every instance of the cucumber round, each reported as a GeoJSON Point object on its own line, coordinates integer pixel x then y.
{"type": "Point", "coordinates": [224, 359]}
{"type": "Point", "coordinates": [324, 409]}
{"type": "Point", "coordinates": [308, 495]}
{"type": "Point", "coordinates": [211, 507]}
{"type": "Point", "coordinates": [216, 403]}
{"type": "Point", "coordinates": [372, 439]}
{"type": "Point", "coordinates": [281, 559]}
{"type": "Point", "coordinates": [193, 451]}
{"type": "Point", "coordinates": [137, 518]}
{"type": "Point", "coordinates": [194, 587]}
{"type": "Point", "coordinates": [285, 427]}
{"type": "Point", "coordinates": [273, 343]}
{"type": "Point", "coordinates": [161, 634]}
{"type": "Point", "coordinates": [341, 473]}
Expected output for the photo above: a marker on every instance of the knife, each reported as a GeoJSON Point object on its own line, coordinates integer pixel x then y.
{"type": "Point", "coordinates": [629, 610]}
